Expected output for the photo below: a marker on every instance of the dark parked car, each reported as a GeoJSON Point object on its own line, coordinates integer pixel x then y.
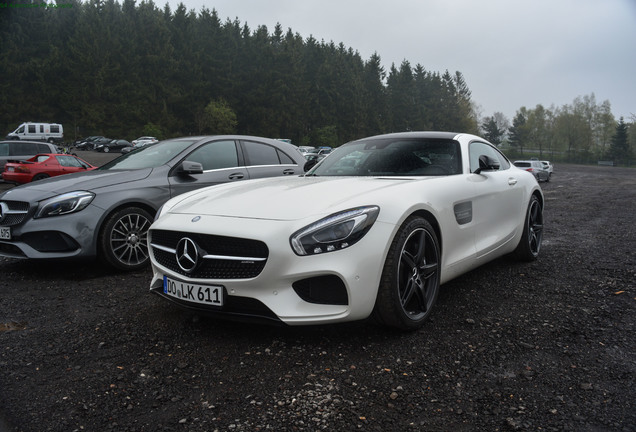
{"type": "Point", "coordinates": [89, 142]}
{"type": "Point", "coordinates": [107, 212]}
{"type": "Point", "coordinates": [113, 146]}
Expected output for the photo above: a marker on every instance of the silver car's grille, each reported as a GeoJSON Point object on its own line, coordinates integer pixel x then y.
{"type": "Point", "coordinates": [218, 257]}
{"type": "Point", "coordinates": [13, 212]}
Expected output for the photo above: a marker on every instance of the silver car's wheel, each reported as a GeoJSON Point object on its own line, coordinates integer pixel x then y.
{"type": "Point", "coordinates": [410, 278]}
{"type": "Point", "coordinates": [530, 243]}
{"type": "Point", "coordinates": [123, 240]}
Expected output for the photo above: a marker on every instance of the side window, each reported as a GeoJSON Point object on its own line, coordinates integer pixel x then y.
{"type": "Point", "coordinates": [4, 149]}
{"type": "Point", "coordinates": [42, 158]}
{"type": "Point", "coordinates": [41, 128]}
{"type": "Point", "coordinates": [68, 161]}
{"type": "Point", "coordinates": [43, 148]}
{"type": "Point", "coordinates": [55, 129]}
{"type": "Point", "coordinates": [260, 154]}
{"type": "Point", "coordinates": [284, 159]}
{"type": "Point", "coordinates": [477, 149]}
{"type": "Point", "coordinates": [31, 128]}
{"type": "Point", "coordinates": [215, 155]}
{"type": "Point", "coordinates": [23, 149]}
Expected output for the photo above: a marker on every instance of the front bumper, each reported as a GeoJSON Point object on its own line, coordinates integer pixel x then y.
{"type": "Point", "coordinates": [297, 290]}
{"type": "Point", "coordinates": [68, 236]}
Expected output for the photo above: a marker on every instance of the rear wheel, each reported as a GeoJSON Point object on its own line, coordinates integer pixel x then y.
{"type": "Point", "coordinates": [530, 243]}
{"type": "Point", "coordinates": [122, 241]}
{"type": "Point", "coordinates": [410, 278]}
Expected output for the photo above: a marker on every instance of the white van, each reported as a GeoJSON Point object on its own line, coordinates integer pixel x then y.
{"type": "Point", "coordinates": [50, 132]}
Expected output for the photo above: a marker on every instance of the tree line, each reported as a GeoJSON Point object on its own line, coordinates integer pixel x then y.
{"type": "Point", "coordinates": [127, 69]}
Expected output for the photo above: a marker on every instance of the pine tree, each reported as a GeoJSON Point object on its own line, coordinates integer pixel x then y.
{"type": "Point", "coordinates": [619, 147]}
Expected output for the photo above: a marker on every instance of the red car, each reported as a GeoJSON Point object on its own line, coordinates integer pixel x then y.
{"type": "Point", "coordinates": [42, 166]}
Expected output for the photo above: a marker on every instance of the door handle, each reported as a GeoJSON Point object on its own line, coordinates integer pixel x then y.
{"type": "Point", "coordinates": [236, 176]}
{"type": "Point", "coordinates": [288, 172]}
{"type": "Point", "coordinates": [512, 181]}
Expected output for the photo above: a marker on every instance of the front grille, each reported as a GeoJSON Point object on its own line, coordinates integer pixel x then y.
{"type": "Point", "coordinates": [216, 268]}
{"type": "Point", "coordinates": [13, 212]}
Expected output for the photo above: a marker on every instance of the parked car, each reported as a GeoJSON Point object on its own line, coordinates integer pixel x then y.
{"type": "Point", "coordinates": [18, 149]}
{"type": "Point", "coordinates": [535, 167]}
{"type": "Point", "coordinates": [43, 166]}
{"type": "Point", "coordinates": [137, 146]}
{"type": "Point", "coordinates": [106, 212]}
{"type": "Point", "coordinates": [547, 166]}
{"type": "Point", "coordinates": [144, 139]}
{"type": "Point", "coordinates": [93, 143]}
{"type": "Point", "coordinates": [405, 213]}
{"type": "Point", "coordinates": [112, 146]}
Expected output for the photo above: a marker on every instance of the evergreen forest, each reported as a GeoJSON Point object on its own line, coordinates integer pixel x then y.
{"type": "Point", "coordinates": [126, 69]}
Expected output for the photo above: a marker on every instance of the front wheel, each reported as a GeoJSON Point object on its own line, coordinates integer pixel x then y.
{"type": "Point", "coordinates": [410, 278]}
{"type": "Point", "coordinates": [40, 176]}
{"type": "Point", "coordinates": [530, 243]}
{"type": "Point", "coordinates": [122, 241]}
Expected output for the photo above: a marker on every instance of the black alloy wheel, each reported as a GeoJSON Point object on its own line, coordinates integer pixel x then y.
{"type": "Point", "coordinates": [410, 278]}
{"type": "Point", "coordinates": [123, 240]}
{"type": "Point", "coordinates": [530, 243]}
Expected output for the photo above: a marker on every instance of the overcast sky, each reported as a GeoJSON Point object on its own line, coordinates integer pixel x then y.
{"type": "Point", "coordinates": [512, 53]}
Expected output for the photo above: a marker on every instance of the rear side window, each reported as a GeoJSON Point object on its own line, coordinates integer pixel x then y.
{"type": "Point", "coordinates": [44, 148]}
{"type": "Point", "coordinates": [55, 128]}
{"type": "Point", "coordinates": [31, 129]}
{"type": "Point", "coordinates": [260, 154]}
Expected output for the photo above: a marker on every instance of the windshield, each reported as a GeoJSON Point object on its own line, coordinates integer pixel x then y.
{"type": "Point", "coordinates": [392, 157]}
{"type": "Point", "coordinates": [149, 156]}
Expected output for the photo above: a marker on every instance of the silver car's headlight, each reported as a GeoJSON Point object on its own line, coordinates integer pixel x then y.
{"type": "Point", "coordinates": [64, 204]}
{"type": "Point", "coordinates": [335, 232]}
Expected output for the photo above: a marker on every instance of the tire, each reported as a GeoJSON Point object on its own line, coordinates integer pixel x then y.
{"type": "Point", "coordinates": [122, 240]}
{"type": "Point", "coordinates": [530, 244]}
{"type": "Point", "coordinates": [410, 278]}
{"type": "Point", "coordinates": [39, 177]}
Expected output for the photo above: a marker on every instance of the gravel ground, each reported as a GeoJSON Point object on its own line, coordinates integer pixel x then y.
{"type": "Point", "coordinates": [546, 346]}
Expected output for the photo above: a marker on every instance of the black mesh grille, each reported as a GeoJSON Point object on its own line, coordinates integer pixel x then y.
{"type": "Point", "coordinates": [10, 219]}
{"type": "Point", "coordinates": [212, 245]}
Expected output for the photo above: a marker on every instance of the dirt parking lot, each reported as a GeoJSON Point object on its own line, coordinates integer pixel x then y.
{"type": "Point", "coordinates": [546, 346]}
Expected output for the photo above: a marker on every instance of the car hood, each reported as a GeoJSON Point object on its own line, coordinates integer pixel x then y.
{"type": "Point", "coordinates": [85, 181]}
{"type": "Point", "coordinates": [283, 198]}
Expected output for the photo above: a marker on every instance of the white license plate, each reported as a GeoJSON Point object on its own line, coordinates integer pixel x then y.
{"type": "Point", "coordinates": [5, 233]}
{"type": "Point", "coordinates": [204, 294]}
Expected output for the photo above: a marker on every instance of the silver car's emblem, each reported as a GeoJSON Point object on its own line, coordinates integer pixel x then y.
{"type": "Point", "coordinates": [187, 254]}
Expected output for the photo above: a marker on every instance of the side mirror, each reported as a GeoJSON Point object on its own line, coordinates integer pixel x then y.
{"type": "Point", "coordinates": [189, 168]}
{"type": "Point", "coordinates": [487, 164]}
{"type": "Point", "coordinates": [309, 164]}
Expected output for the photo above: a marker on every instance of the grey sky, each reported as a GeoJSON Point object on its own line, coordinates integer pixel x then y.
{"type": "Point", "coordinates": [512, 53]}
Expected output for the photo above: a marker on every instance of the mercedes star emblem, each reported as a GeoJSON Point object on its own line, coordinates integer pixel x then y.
{"type": "Point", "coordinates": [187, 254]}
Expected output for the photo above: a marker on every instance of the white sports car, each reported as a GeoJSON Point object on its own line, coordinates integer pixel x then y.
{"type": "Point", "coordinates": [373, 230]}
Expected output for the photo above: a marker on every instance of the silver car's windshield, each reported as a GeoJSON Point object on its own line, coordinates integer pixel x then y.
{"type": "Point", "coordinates": [150, 156]}
{"type": "Point", "coordinates": [393, 157]}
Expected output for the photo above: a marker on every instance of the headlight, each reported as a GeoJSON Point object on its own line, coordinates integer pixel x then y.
{"type": "Point", "coordinates": [64, 204]}
{"type": "Point", "coordinates": [335, 232]}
